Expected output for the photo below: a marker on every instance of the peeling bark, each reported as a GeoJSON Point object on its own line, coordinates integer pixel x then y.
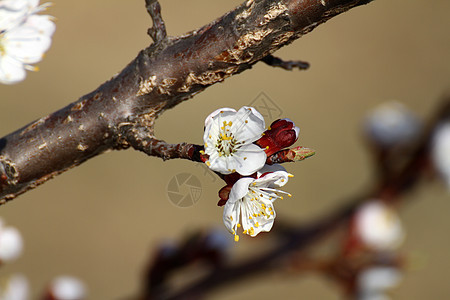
{"type": "Point", "coordinates": [121, 112]}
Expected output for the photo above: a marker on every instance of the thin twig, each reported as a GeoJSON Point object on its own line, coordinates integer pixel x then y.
{"type": "Point", "coordinates": [158, 31]}
{"type": "Point", "coordinates": [285, 64]}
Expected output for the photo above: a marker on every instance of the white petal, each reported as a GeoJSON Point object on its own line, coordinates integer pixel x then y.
{"type": "Point", "coordinates": [231, 213]}
{"type": "Point", "coordinates": [240, 189]}
{"type": "Point", "coordinates": [257, 215]}
{"type": "Point", "coordinates": [270, 168]}
{"type": "Point", "coordinates": [248, 125]}
{"type": "Point", "coordinates": [29, 41]}
{"type": "Point", "coordinates": [250, 159]}
{"type": "Point", "coordinates": [276, 178]}
{"type": "Point", "coordinates": [256, 114]}
{"type": "Point", "coordinates": [12, 13]}
{"type": "Point", "coordinates": [11, 70]}
{"type": "Point", "coordinates": [210, 117]}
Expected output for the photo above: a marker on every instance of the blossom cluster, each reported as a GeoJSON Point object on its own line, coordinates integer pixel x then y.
{"type": "Point", "coordinates": [24, 37]}
{"type": "Point", "coordinates": [237, 145]}
{"type": "Point", "coordinates": [378, 229]}
{"type": "Point", "coordinates": [17, 287]}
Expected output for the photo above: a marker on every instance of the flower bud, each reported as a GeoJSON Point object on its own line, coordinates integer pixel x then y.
{"type": "Point", "coordinates": [281, 134]}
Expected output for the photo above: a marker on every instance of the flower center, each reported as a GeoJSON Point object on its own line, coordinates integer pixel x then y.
{"type": "Point", "coordinates": [226, 143]}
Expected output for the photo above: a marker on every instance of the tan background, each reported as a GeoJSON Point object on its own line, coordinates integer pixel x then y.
{"type": "Point", "coordinates": [100, 220]}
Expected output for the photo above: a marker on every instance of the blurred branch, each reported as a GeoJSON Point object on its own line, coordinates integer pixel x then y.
{"type": "Point", "coordinates": [170, 71]}
{"type": "Point", "coordinates": [295, 241]}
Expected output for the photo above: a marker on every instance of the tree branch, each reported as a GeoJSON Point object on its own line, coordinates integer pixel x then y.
{"type": "Point", "coordinates": [166, 73]}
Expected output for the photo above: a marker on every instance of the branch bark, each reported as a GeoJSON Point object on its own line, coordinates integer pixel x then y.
{"type": "Point", "coordinates": [122, 111]}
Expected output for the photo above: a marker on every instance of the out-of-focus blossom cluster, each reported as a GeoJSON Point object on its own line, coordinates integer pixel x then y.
{"type": "Point", "coordinates": [16, 286]}
{"type": "Point", "coordinates": [24, 37]}
{"type": "Point", "coordinates": [378, 230]}
{"type": "Point", "coordinates": [237, 145]}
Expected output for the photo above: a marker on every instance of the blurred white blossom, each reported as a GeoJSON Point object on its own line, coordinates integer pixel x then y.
{"type": "Point", "coordinates": [67, 288]}
{"type": "Point", "coordinates": [440, 151]}
{"type": "Point", "coordinates": [24, 37]}
{"type": "Point", "coordinates": [391, 124]}
{"type": "Point", "coordinates": [378, 226]}
{"type": "Point", "coordinates": [11, 243]}
{"type": "Point", "coordinates": [373, 282]}
{"type": "Point", "coordinates": [15, 288]}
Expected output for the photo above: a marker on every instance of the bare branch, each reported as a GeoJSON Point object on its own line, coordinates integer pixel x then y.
{"type": "Point", "coordinates": [158, 31]}
{"type": "Point", "coordinates": [287, 65]}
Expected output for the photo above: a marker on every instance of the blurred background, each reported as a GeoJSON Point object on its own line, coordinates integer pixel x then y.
{"type": "Point", "coordinates": [101, 220]}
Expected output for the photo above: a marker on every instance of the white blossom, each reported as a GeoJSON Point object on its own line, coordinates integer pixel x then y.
{"type": "Point", "coordinates": [24, 37]}
{"type": "Point", "coordinates": [67, 288]}
{"type": "Point", "coordinates": [11, 243]}
{"type": "Point", "coordinates": [440, 151]}
{"type": "Point", "coordinates": [229, 137]}
{"type": "Point", "coordinates": [391, 124]}
{"type": "Point", "coordinates": [250, 203]}
{"type": "Point", "coordinates": [374, 281]}
{"type": "Point", "coordinates": [378, 226]}
{"type": "Point", "coordinates": [15, 288]}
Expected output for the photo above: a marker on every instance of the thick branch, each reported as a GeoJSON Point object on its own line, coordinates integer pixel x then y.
{"type": "Point", "coordinates": [161, 76]}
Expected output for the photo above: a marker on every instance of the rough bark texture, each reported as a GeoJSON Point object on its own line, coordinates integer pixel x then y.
{"type": "Point", "coordinates": [121, 112]}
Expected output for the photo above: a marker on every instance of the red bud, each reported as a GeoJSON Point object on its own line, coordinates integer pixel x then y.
{"type": "Point", "coordinates": [281, 134]}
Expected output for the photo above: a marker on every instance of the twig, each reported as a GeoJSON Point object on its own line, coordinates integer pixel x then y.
{"type": "Point", "coordinates": [287, 65]}
{"type": "Point", "coordinates": [158, 31]}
